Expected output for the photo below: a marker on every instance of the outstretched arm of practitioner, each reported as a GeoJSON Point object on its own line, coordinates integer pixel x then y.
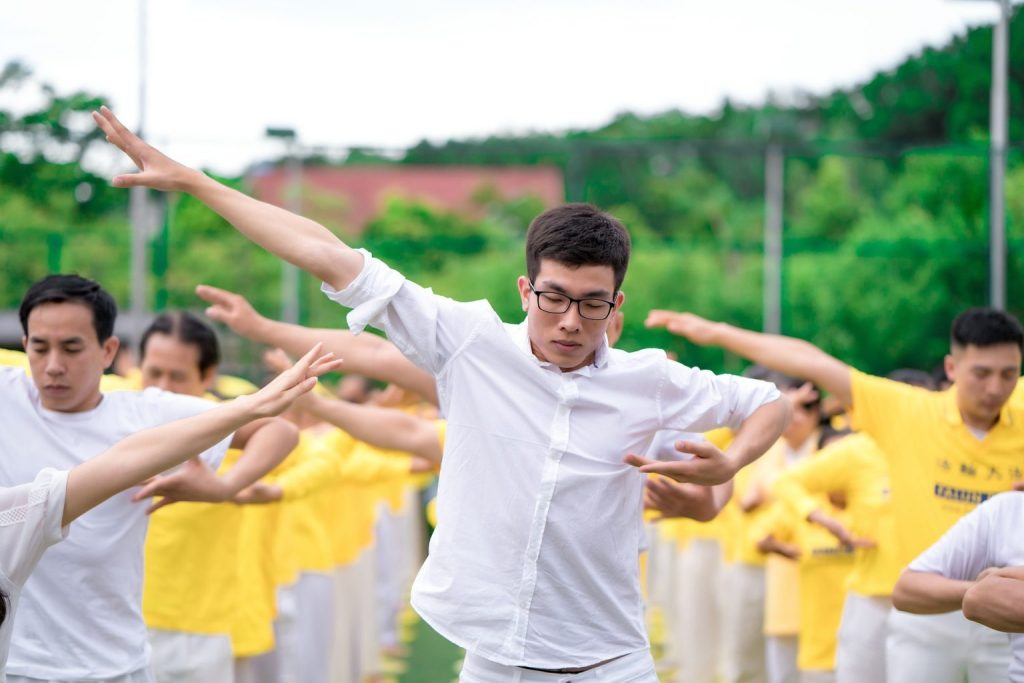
{"type": "Point", "coordinates": [364, 354]}
{"type": "Point", "coordinates": [152, 451]}
{"type": "Point", "coordinates": [300, 241]}
{"type": "Point", "coordinates": [792, 356]}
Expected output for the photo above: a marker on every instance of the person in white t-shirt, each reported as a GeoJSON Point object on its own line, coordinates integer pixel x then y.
{"type": "Point", "coordinates": [81, 609]}
{"type": "Point", "coordinates": [36, 515]}
{"type": "Point", "coordinates": [976, 566]}
{"type": "Point", "coordinates": [533, 563]}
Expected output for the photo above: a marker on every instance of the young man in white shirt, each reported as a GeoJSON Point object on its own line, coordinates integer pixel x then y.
{"type": "Point", "coordinates": [533, 565]}
{"type": "Point", "coordinates": [976, 566]}
{"type": "Point", "coordinates": [81, 610]}
{"type": "Point", "coordinates": [36, 515]}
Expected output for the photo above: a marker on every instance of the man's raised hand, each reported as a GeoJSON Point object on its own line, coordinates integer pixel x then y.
{"type": "Point", "coordinates": [693, 327]}
{"type": "Point", "coordinates": [234, 310]}
{"type": "Point", "coordinates": [156, 170]}
{"type": "Point", "coordinates": [708, 467]}
{"type": "Point", "coordinates": [276, 396]}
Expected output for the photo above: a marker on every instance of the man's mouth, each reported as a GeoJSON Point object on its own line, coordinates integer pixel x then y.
{"type": "Point", "coordinates": [566, 345]}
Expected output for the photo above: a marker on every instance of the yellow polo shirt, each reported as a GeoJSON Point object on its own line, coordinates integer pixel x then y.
{"type": "Point", "coordinates": [821, 575]}
{"type": "Point", "coordinates": [14, 359]}
{"type": "Point", "coordinates": [856, 467]}
{"type": "Point", "coordinates": [938, 470]}
{"type": "Point", "coordinates": [191, 552]}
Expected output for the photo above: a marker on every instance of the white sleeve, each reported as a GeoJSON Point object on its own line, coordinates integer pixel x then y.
{"type": "Point", "coordinates": [30, 522]}
{"type": "Point", "coordinates": [167, 407]}
{"type": "Point", "coordinates": [699, 400]}
{"type": "Point", "coordinates": [966, 548]}
{"type": "Point", "coordinates": [428, 329]}
{"type": "Point", "coordinates": [663, 445]}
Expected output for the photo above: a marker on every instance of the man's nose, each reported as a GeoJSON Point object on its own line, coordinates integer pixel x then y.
{"type": "Point", "coordinates": [571, 319]}
{"type": "Point", "coordinates": [54, 364]}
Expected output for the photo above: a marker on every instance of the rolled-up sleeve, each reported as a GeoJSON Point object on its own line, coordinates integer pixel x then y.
{"type": "Point", "coordinates": [427, 328]}
{"type": "Point", "coordinates": [699, 400]}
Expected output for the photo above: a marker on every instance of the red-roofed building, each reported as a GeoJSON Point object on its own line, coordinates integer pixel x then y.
{"type": "Point", "coordinates": [348, 197]}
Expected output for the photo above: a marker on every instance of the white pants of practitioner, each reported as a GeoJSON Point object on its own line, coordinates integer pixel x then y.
{"type": "Point", "coordinates": [314, 628]}
{"type": "Point", "coordinates": [743, 625]}
{"type": "Point", "coordinates": [637, 667]}
{"type": "Point", "coordinates": [140, 676]}
{"type": "Point", "coordinates": [780, 659]}
{"type": "Point", "coordinates": [344, 659]}
{"type": "Point", "coordinates": [180, 657]}
{"type": "Point", "coordinates": [860, 650]}
{"type": "Point", "coordinates": [367, 628]}
{"type": "Point", "coordinates": [390, 574]}
{"type": "Point", "coordinates": [698, 611]}
{"type": "Point", "coordinates": [944, 648]}
{"type": "Point", "coordinates": [821, 677]}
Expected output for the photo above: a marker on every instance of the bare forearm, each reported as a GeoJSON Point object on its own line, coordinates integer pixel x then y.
{"type": "Point", "coordinates": [788, 355]}
{"type": "Point", "coordinates": [925, 593]}
{"type": "Point", "coordinates": [148, 453]}
{"type": "Point", "coordinates": [384, 428]}
{"type": "Point", "coordinates": [759, 432]}
{"type": "Point", "coordinates": [997, 601]}
{"type": "Point", "coordinates": [300, 241]}
{"type": "Point", "coordinates": [263, 451]}
{"type": "Point", "coordinates": [363, 354]}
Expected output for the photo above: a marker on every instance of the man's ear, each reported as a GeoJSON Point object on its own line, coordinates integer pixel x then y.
{"type": "Point", "coordinates": [209, 378]}
{"type": "Point", "coordinates": [620, 299]}
{"type": "Point", "coordinates": [949, 365]}
{"type": "Point", "coordinates": [524, 291]}
{"type": "Point", "coordinates": [110, 348]}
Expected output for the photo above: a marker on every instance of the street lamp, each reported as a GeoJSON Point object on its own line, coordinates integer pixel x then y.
{"type": "Point", "coordinates": [997, 158]}
{"type": "Point", "coordinates": [293, 184]}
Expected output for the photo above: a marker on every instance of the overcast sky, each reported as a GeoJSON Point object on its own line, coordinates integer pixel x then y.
{"type": "Point", "coordinates": [392, 72]}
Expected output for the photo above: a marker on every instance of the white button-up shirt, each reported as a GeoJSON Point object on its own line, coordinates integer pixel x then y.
{"type": "Point", "coordinates": [534, 558]}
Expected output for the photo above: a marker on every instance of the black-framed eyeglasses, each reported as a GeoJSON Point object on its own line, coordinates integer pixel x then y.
{"type": "Point", "coordinates": [556, 302]}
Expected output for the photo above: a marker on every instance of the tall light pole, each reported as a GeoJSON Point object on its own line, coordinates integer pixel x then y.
{"type": "Point", "coordinates": [293, 191]}
{"type": "Point", "coordinates": [997, 158]}
{"type": "Point", "coordinates": [138, 206]}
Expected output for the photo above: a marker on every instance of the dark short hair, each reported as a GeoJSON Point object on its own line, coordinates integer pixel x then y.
{"type": "Point", "coordinates": [59, 289]}
{"type": "Point", "coordinates": [913, 377]}
{"type": "Point", "coordinates": [983, 327]}
{"type": "Point", "coordinates": [188, 329]}
{"type": "Point", "coordinates": [578, 235]}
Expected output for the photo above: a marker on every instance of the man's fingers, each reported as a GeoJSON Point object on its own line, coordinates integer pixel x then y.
{"type": "Point", "coordinates": [701, 449]}
{"type": "Point", "coordinates": [638, 460]}
{"type": "Point", "coordinates": [658, 318]}
{"type": "Point", "coordinates": [322, 367]}
{"type": "Point", "coordinates": [148, 490]}
{"type": "Point", "coordinates": [163, 502]}
{"type": "Point", "coordinates": [215, 295]}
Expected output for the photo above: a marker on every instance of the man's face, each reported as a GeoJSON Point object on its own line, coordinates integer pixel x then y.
{"type": "Point", "coordinates": [568, 339]}
{"type": "Point", "coordinates": [66, 357]}
{"type": "Point", "coordinates": [172, 365]}
{"type": "Point", "coordinates": [984, 378]}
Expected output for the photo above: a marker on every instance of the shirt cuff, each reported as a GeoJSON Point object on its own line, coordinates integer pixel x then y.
{"type": "Point", "coordinates": [369, 294]}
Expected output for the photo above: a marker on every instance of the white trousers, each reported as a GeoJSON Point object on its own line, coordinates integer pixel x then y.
{"type": "Point", "coordinates": [821, 677]}
{"type": "Point", "coordinates": [140, 676]}
{"type": "Point", "coordinates": [390, 574]}
{"type": "Point", "coordinates": [944, 648]}
{"type": "Point", "coordinates": [180, 657]}
{"type": "Point", "coordinates": [743, 648]}
{"type": "Point", "coordinates": [367, 632]}
{"type": "Point", "coordinates": [344, 657]}
{"type": "Point", "coordinates": [637, 667]}
{"type": "Point", "coordinates": [860, 648]}
{"type": "Point", "coordinates": [780, 659]}
{"type": "Point", "coordinates": [698, 611]}
{"type": "Point", "coordinates": [314, 628]}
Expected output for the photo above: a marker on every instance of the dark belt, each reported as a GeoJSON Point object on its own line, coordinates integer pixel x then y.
{"type": "Point", "coordinates": [572, 670]}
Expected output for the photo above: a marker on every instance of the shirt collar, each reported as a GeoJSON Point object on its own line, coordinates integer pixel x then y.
{"type": "Point", "coordinates": [521, 337]}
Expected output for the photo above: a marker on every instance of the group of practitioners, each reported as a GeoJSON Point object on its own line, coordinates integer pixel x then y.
{"type": "Point", "coordinates": [283, 525]}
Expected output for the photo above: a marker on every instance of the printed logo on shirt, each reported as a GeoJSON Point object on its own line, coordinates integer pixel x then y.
{"type": "Point", "coordinates": [961, 495]}
{"type": "Point", "coordinates": [833, 551]}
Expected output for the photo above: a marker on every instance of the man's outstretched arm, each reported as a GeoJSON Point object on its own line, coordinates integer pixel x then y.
{"type": "Point", "coordinates": [300, 241]}
{"type": "Point", "coordinates": [928, 593]}
{"type": "Point", "coordinates": [364, 354]}
{"type": "Point", "coordinates": [794, 357]}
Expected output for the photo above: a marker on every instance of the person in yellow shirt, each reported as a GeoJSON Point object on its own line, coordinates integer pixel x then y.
{"type": "Point", "coordinates": [947, 452]}
{"type": "Point", "coordinates": [189, 594]}
{"type": "Point", "coordinates": [824, 565]}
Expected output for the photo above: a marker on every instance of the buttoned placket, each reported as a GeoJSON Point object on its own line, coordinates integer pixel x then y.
{"type": "Point", "coordinates": [568, 394]}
